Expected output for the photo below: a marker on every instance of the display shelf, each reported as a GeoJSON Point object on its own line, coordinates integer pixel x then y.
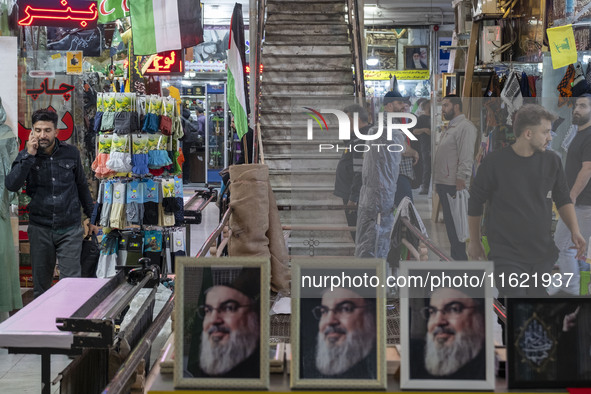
{"type": "Point", "coordinates": [279, 383]}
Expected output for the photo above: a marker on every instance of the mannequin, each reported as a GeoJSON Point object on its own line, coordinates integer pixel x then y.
{"type": "Point", "coordinates": [10, 295]}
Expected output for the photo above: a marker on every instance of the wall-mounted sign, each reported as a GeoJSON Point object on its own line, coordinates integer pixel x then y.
{"type": "Point", "coordinates": [89, 41]}
{"type": "Point", "coordinates": [384, 75]}
{"type": "Point", "coordinates": [64, 89]}
{"type": "Point", "coordinates": [41, 74]}
{"type": "Point", "coordinates": [218, 66]}
{"type": "Point", "coordinates": [74, 62]}
{"type": "Point", "coordinates": [64, 13]}
{"type": "Point", "coordinates": [165, 63]}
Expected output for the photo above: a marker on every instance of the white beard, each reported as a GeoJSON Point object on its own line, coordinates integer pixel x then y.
{"type": "Point", "coordinates": [334, 359]}
{"type": "Point", "coordinates": [442, 360]}
{"type": "Point", "coordinates": [218, 359]}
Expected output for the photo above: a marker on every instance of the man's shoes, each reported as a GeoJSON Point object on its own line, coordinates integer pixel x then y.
{"type": "Point", "coordinates": [424, 190]}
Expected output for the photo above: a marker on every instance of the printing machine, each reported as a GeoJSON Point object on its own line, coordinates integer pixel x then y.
{"type": "Point", "coordinates": [79, 317]}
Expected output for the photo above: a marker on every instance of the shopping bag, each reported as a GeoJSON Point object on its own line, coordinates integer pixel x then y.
{"type": "Point", "coordinates": [90, 256]}
{"type": "Point", "coordinates": [459, 212]}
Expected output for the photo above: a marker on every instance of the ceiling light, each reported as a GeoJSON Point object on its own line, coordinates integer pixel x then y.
{"type": "Point", "coordinates": [373, 60]}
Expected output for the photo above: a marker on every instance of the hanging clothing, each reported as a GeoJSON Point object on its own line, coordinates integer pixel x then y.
{"type": "Point", "coordinates": [565, 86]}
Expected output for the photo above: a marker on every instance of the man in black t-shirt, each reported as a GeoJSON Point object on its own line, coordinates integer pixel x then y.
{"type": "Point", "coordinates": [578, 173]}
{"type": "Point", "coordinates": [519, 183]}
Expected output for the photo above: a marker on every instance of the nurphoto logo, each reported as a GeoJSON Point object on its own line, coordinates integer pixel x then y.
{"type": "Point", "coordinates": [392, 123]}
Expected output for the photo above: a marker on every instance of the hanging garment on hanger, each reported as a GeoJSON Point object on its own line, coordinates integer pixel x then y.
{"type": "Point", "coordinates": [565, 86]}
{"type": "Point", "coordinates": [511, 96]}
{"type": "Point", "coordinates": [531, 80]}
{"type": "Point", "coordinates": [524, 85]}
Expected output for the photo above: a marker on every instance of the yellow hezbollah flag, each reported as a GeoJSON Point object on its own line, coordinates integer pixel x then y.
{"type": "Point", "coordinates": [562, 46]}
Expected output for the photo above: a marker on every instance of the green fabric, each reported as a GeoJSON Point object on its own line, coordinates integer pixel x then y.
{"type": "Point", "coordinates": [10, 293]}
{"type": "Point", "coordinates": [143, 27]}
{"type": "Point", "coordinates": [113, 10]}
{"type": "Point", "coordinates": [585, 279]}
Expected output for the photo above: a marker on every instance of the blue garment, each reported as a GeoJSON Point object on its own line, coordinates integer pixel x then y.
{"type": "Point", "coordinates": [375, 215]}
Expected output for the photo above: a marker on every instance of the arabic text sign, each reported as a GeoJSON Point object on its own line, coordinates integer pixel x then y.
{"type": "Point", "coordinates": [562, 46]}
{"type": "Point", "coordinates": [64, 89]}
{"type": "Point", "coordinates": [65, 13]}
{"type": "Point", "coordinates": [165, 63]}
{"type": "Point", "coordinates": [384, 75]}
{"type": "Point", "coordinates": [74, 62]}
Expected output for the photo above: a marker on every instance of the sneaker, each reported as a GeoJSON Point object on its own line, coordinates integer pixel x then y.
{"type": "Point", "coordinates": [424, 190]}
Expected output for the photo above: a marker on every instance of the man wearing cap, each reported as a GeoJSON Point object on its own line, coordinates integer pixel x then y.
{"type": "Point", "coordinates": [230, 340]}
{"type": "Point", "coordinates": [452, 165]}
{"type": "Point", "coordinates": [346, 340]}
{"type": "Point", "coordinates": [375, 213]}
{"type": "Point", "coordinates": [454, 345]}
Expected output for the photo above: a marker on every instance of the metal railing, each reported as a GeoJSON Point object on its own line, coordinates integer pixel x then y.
{"type": "Point", "coordinates": [126, 371]}
{"type": "Point", "coordinates": [499, 308]}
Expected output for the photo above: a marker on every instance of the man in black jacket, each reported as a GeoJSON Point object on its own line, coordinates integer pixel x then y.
{"type": "Point", "coordinates": [56, 183]}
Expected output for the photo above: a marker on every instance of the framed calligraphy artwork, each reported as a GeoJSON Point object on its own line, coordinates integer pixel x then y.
{"type": "Point", "coordinates": [548, 343]}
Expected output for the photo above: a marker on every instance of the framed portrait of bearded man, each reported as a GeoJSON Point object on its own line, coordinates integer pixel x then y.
{"type": "Point", "coordinates": [338, 324]}
{"type": "Point", "coordinates": [221, 321]}
{"type": "Point", "coordinates": [446, 325]}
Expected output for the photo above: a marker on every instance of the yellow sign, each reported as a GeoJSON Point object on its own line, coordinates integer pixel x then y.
{"type": "Point", "coordinates": [74, 62]}
{"type": "Point", "coordinates": [384, 75]}
{"type": "Point", "coordinates": [562, 46]}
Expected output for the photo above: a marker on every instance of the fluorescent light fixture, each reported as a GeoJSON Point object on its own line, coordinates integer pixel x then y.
{"type": "Point", "coordinates": [373, 60]}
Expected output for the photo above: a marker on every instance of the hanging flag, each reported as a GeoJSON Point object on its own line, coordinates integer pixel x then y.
{"type": "Point", "coordinates": [562, 46]}
{"type": "Point", "coordinates": [111, 10]}
{"type": "Point", "coordinates": [237, 89]}
{"type": "Point", "coordinates": [165, 25]}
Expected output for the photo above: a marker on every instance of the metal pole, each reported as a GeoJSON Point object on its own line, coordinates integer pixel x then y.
{"type": "Point", "coordinates": [252, 34]}
{"type": "Point", "coordinates": [225, 147]}
{"type": "Point", "coordinates": [206, 132]}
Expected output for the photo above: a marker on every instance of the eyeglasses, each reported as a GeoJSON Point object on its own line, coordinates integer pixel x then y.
{"type": "Point", "coordinates": [225, 309]}
{"type": "Point", "coordinates": [344, 308]}
{"type": "Point", "coordinates": [452, 309]}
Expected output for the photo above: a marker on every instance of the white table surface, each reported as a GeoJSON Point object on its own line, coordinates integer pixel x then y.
{"type": "Point", "coordinates": [34, 325]}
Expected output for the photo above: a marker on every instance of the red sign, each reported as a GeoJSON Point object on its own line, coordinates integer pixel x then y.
{"type": "Point", "coordinates": [165, 63]}
{"type": "Point", "coordinates": [64, 89]}
{"type": "Point", "coordinates": [64, 13]}
{"type": "Point", "coordinates": [248, 68]}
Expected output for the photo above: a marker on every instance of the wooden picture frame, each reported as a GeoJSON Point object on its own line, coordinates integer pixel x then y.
{"type": "Point", "coordinates": [548, 342]}
{"type": "Point", "coordinates": [430, 317]}
{"type": "Point", "coordinates": [241, 287]}
{"type": "Point", "coordinates": [420, 62]}
{"type": "Point", "coordinates": [362, 313]}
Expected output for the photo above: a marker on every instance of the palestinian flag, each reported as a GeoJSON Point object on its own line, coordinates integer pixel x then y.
{"type": "Point", "coordinates": [111, 10]}
{"type": "Point", "coordinates": [165, 25]}
{"type": "Point", "coordinates": [237, 89]}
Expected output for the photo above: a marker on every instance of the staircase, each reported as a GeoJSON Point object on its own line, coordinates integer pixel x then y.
{"type": "Point", "coordinates": [307, 60]}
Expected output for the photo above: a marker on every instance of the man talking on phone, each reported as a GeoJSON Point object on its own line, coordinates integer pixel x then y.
{"type": "Point", "coordinates": [56, 183]}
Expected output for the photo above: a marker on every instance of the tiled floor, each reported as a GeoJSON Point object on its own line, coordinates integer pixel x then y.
{"type": "Point", "coordinates": [22, 373]}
